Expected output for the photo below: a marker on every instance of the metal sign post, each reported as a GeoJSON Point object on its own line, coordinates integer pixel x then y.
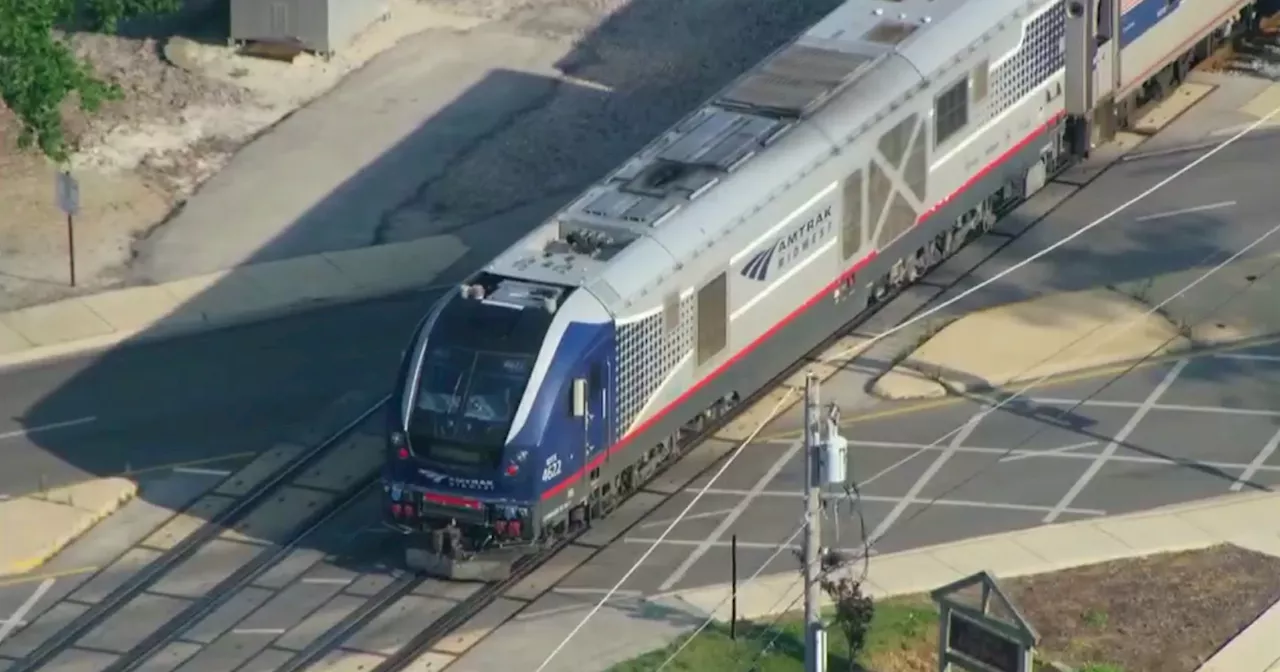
{"type": "Point", "coordinates": [68, 191]}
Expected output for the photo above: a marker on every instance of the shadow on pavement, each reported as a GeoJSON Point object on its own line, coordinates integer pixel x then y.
{"type": "Point", "coordinates": [239, 390]}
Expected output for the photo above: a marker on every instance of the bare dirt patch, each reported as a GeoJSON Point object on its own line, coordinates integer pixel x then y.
{"type": "Point", "coordinates": [1162, 613]}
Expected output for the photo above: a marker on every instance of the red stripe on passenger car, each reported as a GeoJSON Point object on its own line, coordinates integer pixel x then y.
{"type": "Point", "coordinates": [778, 326]}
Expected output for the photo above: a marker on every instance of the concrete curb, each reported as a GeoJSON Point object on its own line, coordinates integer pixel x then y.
{"type": "Point", "coordinates": [1048, 548]}
{"type": "Point", "coordinates": [207, 302]}
{"type": "Point", "coordinates": [968, 388]}
{"type": "Point", "coordinates": [72, 510]}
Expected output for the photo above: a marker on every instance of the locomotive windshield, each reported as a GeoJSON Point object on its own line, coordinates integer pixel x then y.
{"type": "Point", "coordinates": [466, 400]}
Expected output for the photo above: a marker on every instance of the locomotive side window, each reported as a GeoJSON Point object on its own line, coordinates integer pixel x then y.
{"type": "Point", "coordinates": [951, 111]}
{"type": "Point", "coordinates": [713, 315]}
{"type": "Point", "coordinates": [851, 227]}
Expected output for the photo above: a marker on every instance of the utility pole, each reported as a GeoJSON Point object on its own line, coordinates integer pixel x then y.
{"type": "Point", "coordinates": [814, 641]}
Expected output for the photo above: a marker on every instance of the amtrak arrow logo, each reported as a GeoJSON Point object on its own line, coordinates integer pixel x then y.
{"type": "Point", "coordinates": [757, 268]}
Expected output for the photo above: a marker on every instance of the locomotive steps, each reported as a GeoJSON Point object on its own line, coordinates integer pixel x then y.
{"type": "Point", "coordinates": [1076, 333]}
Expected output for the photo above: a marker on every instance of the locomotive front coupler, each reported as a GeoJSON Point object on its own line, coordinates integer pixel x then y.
{"type": "Point", "coordinates": [442, 553]}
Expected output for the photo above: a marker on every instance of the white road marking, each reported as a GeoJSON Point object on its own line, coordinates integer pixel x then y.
{"type": "Point", "coordinates": [1101, 459]}
{"type": "Point", "coordinates": [1181, 408]}
{"type": "Point", "coordinates": [324, 580]}
{"type": "Point", "coordinates": [17, 618]}
{"type": "Point", "coordinates": [918, 448]}
{"type": "Point", "coordinates": [1244, 356]}
{"type": "Point", "coordinates": [956, 441]}
{"type": "Point", "coordinates": [596, 591]}
{"type": "Point", "coordinates": [747, 497]}
{"type": "Point", "coordinates": [1185, 211]}
{"type": "Point", "coordinates": [258, 631]}
{"type": "Point", "coordinates": [763, 545]}
{"type": "Point", "coordinates": [1048, 453]}
{"type": "Point", "coordinates": [28, 431]}
{"type": "Point", "coordinates": [200, 471]}
{"type": "Point", "coordinates": [692, 516]}
{"type": "Point", "coordinates": [922, 500]}
{"type": "Point", "coordinates": [1257, 462]}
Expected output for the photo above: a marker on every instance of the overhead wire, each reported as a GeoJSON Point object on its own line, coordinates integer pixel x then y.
{"type": "Point", "coordinates": [851, 351]}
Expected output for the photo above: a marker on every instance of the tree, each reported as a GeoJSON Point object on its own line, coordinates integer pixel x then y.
{"type": "Point", "coordinates": [38, 70]}
{"type": "Point", "coordinates": [853, 612]}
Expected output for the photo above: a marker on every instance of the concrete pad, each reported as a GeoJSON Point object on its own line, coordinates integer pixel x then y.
{"type": "Point", "coordinates": [1268, 544]}
{"type": "Point", "coordinates": [56, 322]}
{"type": "Point", "coordinates": [909, 572]}
{"type": "Point", "coordinates": [478, 626]}
{"type": "Point", "coordinates": [347, 463]}
{"type": "Point", "coordinates": [749, 421]}
{"type": "Point", "coordinates": [1183, 99]}
{"type": "Point", "coordinates": [347, 661]}
{"type": "Point", "coordinates": [36, 527]}
{"type": "Point", "coordinates": [1049, 336]}
{"type": "Point", "coordinates": [1265, 103]}
{"type": "Point", "coordinates": [822, 370]}
{"type": "Point", "coordinates": [1235, 519]}
{"type": "Point", "coordinates": [429, 662]}
{"type": "Point", "coordinates": [134, 308]}
{"type": "Point", "coordinates": [543, 578]}
{"type": "Point", "coordinates": [678, 476]}
{"type": "Point", "coordinates": [1157, 534]}
{"type": "Point", "coordinates": [1071, 545]}
{"type": "Point", "coordinates": [629, 513]}
{"type": "Point", "coordinates": [259, 470]}
{"type": "Point", "coordinates": [1251, 312]}
{"type": "Point", "coordinates": [901, 383]}
{"type": "Point", "coordinates": [398, 266]}
{"type": "Point", "coordinates": [11, 341]}
{"type": "Point", "coordinates": [277, 517]}
{"type": "Point", "coordinates": [217, 297]}
{"type": "Point", "coordinates": [185, 523]}
{"type": "Point", "coordinates": [999, 555]}
{"type": "Point", "coordinates": [299, 280]}
{"type": "Point", "coordinates": [846, 348]}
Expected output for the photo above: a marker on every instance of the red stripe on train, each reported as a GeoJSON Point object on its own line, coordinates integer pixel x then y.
{"type": "Point", "coordinates": [778, 326]}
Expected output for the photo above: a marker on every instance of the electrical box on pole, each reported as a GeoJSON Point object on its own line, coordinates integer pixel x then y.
{"type": "Point", "coordinates": [835, 460]}
{"type": "Point", "coordinates": [834, 450]}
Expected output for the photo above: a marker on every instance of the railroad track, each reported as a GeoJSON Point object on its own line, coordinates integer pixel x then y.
{"type": "Point", "coordinates": [138, 584]}
{"type": "Point", "coordinates": [342, 635]}
{"type": "Point", "coordinates": [401, 585]}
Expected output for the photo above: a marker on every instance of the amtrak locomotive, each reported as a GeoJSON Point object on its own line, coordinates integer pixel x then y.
{"type": "Point", "coordinates": [557, 379]}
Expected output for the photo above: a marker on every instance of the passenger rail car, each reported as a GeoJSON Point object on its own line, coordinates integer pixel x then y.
{"type": "Point", "coordinates": [840, 169]}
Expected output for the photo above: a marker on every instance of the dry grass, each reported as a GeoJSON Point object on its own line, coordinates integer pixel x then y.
{"type": "Point", "coordinates": [1163, 613]}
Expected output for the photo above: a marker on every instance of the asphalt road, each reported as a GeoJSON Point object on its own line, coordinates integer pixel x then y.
{"type": "Point", "coordinates": [194, 399]}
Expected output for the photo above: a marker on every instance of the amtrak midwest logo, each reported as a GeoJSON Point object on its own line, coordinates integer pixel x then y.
{"type": "Point", "coordinates": [789, 247]}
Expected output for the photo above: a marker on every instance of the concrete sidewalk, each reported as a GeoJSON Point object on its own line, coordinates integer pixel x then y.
{"type": "Point", "coordinates": [218, 299]}
{"type": "Point", "coordinates": [629, 626]}
{"type": "Point", "coordinates": [34, 528]}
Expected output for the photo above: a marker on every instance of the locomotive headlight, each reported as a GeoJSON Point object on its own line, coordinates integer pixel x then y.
{"type": "Point", "coordinates": [400, 445]}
